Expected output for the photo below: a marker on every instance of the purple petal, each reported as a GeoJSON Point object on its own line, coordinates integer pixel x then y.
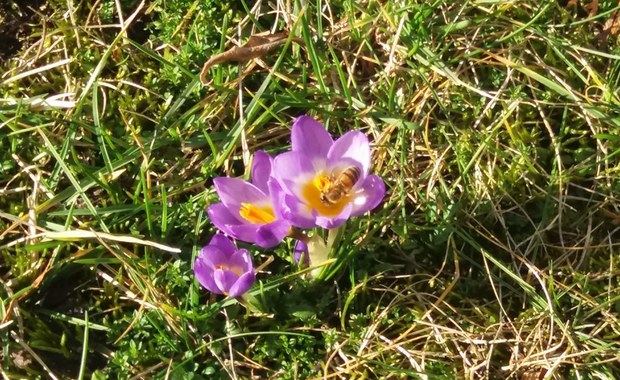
{"type": "Point", "coordinates": [223, 218]}
{"type": "Point", "coordinates": [326, 222]}
{"type": "Point", "coordinates": [204, 275]}
{"type": "Point", "coordinates": [241, 259]}
{"type": "Point", "coordinates": [310, 137]}
{"type": "Point", "coordinates": [301, 253]}
{"type": "Point", "coordinates": [243, 284]}
{"type": "Point", "coordinates": [261, 170]}
{"type": "Point", "coordinates": [277, 197]}
{"type": "Point", "coordinates": [371, 194]}
{"type": "Point", "coordinates": [233, 191]}
{"type": "Point", "coordinates": [297, 213]}
{"type": "Point", "coordinates": [243, 232]}
{"type": "Point", "coordinates": [224, 279]}
{"type": "Point", "coordinates": [222, 243]}
{"type": "Point", "coordinates": [353, 145]}
{"type": "Point", "coordinates": [270, 235]}
{"type": "Point", "coordinates": [212, 256]}
{"type": "Point", "coordinates": [290, 168]}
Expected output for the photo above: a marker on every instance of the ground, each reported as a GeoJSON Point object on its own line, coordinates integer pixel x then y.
{"type": "Point", "coordinates": [17, 19]}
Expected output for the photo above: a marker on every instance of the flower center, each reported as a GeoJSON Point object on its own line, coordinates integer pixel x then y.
{"type": "Point", "coordinates": [256, 214]}
{"type": "Point", "coordinates": [313, 191]}
{"type": "Point", "coordinates": [236, 270]}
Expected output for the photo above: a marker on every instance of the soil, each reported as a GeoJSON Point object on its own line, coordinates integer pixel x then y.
{"type": "Point", "coordinates": [16, 20]}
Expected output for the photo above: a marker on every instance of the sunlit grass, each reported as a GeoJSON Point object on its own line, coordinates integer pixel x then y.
{"type": "Point", "coordinates": [493, 124]}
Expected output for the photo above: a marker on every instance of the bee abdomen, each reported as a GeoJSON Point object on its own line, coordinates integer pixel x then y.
{"type": "Point", "coordinates": [352, 175]}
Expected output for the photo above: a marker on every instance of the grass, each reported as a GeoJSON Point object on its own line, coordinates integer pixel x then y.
{"type": "Point", "coordinates": [494, 255]}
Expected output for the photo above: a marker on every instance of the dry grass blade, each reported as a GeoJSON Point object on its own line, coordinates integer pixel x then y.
{"type": "Point", "coordinates": [36, 70]}
{"type": "Point", "coordinates": [257, 46]}
{"type": "Point", "coordinates": [81, 234]}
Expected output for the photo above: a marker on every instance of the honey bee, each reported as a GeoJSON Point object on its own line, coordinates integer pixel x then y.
{"type": "Point", "coordinates": [341, 186]}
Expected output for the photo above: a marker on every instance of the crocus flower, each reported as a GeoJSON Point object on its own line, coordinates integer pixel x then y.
{"type": "Point", "coordinates": [223, 269]}
{"type": "Point", "coordinates": [248, 211]}
{"type": "Point", "coordinates": [317, 164]}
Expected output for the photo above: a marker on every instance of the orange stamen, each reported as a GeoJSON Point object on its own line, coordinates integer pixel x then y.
{"type": "Point", "coordinates": [255, 214]}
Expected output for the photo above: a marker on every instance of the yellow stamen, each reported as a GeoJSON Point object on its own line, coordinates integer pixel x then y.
{"type": "Point", "coordinates": [312, 192]}
{"type": "Point", "coordinates": [322, 182]}
{"type": "Point", "coordinates": [236, 270]}
{"type": "Point", "coordinates": [255, 214]}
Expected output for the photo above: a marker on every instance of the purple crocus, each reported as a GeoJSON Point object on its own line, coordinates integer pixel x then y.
{"type": "Point", "coordinates": [223, 269]}
{"type": "Point", "coordinates": [315, 165]}
{"type": "Point", "coordinates": [248, 211]}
